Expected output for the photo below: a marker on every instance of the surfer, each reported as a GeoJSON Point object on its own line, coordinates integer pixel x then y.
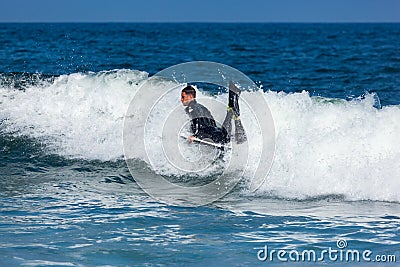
{"type": "Point", "coordinates": [203, 125]}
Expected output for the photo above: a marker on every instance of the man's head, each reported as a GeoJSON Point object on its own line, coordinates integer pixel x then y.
{"type": "Point", "coordinates": [188, 94]}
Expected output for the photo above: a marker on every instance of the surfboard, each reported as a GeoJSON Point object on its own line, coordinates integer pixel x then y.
{"type": "Point", "coordinates": [206, 142]}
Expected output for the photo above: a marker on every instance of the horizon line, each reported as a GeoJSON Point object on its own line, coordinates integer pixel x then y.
{"type": "Point", "coordinates": [220, 22]}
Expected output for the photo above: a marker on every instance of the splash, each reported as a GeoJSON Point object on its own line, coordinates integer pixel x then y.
{"type": "Point", "coordinates": [323, 146]}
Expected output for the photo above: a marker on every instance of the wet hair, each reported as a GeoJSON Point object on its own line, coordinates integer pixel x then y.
{"type": "Point", "coordinates": [189, 90]}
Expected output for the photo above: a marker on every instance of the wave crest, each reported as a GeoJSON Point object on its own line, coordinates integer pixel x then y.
{"type": "Point", "coordinates": [323, 146]}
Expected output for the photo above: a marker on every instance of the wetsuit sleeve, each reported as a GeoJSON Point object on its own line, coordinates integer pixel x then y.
{"type": "Point", "coordinates": [195, 127]}
{"type": "Point", "coordinates": [203, 124]}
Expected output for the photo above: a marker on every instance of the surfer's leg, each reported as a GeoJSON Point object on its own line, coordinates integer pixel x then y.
{"type": "Point", "coordinates": [225, 136]}
{"type": "Point", "coordinates": [233, 105]}
{"type": "Point", "coordinates": [233, 108]}
{"type": "Point", "coordinates": [220, 136]}
{"type": "Point", "coordinates": [227, 124]}
{"type": "Point", "coordinates": [240, 133]}
{"type": "Point", "coordinates": [233, 101]}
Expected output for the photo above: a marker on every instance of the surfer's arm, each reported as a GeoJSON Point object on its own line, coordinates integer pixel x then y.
{"type": "Point", "coordinates": [195, 130]}
{"type": "Point", "coordinates": [195, 127]}
{"type": "Point", "coordinates": [202, 123]}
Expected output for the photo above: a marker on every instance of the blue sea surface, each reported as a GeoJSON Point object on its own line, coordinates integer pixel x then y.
{"type": "Point", "coordinates": [67, 197]}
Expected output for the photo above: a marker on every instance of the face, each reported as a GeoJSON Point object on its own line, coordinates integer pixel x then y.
{"type": "Point", "coordinates": [185, 98]}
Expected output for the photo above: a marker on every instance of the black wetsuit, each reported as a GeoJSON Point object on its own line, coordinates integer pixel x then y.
{"type": "Point", "coordinates": [203, 124]}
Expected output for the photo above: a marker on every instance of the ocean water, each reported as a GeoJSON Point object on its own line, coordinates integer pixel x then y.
{"type": "Point", "coordinates": [67, 197]}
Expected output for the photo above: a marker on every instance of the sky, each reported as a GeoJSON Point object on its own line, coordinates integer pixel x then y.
{"type": "Point", "coordinates": [200, 11]}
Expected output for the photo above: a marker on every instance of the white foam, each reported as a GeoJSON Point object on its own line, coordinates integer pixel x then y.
{"type": "Point", "coordinates": [324, 146]}
{"type": "Point", "coordinates": [77, 116]}
{"type": "Point", "coordinates": [334, 147]}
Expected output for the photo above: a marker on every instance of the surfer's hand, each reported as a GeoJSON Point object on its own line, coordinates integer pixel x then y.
{"type": "Point", "coordinates": [191, 138]}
